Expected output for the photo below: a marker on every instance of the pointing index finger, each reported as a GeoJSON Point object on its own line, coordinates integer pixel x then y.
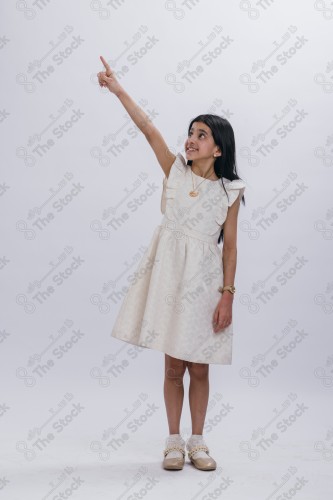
{"type": "Point", "coordinates": [106, 66]}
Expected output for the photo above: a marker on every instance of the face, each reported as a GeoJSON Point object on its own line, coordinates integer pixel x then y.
{"type": "Point", "coordinates": [200, 142]}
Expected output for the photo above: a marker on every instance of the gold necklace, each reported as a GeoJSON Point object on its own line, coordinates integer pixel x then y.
{"type": "Point", "coordinates": [194, 192]}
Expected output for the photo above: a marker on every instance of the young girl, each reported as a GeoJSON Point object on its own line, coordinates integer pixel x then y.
{"type": "Point", "coordinates": [181, 300]}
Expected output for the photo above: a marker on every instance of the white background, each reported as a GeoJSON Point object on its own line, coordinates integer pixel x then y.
{"type": "Point", "coordinates": [70, 394]}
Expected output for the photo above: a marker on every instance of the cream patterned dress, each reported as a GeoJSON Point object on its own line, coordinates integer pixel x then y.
{"type": "Point", "coordinates": [170, 306]}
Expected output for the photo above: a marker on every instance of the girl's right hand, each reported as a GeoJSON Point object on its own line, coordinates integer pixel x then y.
{"type": "Point", "coordinates": [107, 78]}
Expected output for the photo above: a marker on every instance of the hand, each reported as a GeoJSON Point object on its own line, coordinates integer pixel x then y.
{"type": "Point", "coordinates": [107, 78]}
{"type": "Point", "coordinates": [223, 313]}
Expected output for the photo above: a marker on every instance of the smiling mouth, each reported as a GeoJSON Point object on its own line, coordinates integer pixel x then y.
{"type": "Point", "coordinates": [190, 150]}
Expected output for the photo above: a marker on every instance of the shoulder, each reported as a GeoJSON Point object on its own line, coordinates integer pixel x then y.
{"type": "Point", "coordinates": [179, 165]}
{"type": "Point", "coordinates": [180, 161]}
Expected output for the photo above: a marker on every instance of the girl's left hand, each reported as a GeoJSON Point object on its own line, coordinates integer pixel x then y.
{"type": "Point", "coordinates": [223, 313]}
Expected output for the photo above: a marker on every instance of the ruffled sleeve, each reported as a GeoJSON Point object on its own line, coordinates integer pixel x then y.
{"type": "Point", "coordinates": [173, 181]}
{"type": "Point", "coordinates": [234, 189]}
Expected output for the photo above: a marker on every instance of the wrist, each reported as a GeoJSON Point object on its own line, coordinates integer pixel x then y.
{"type": "Point", "coordinates": [227, 288]}
{"type": "Point", "coordinates": [119, 92]}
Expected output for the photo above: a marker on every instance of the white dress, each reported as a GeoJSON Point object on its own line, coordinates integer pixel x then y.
{"type": "Point", "coordinates": [171, 304]}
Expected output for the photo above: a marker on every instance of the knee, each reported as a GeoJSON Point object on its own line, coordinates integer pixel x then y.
{"type": "Point", "coordinates": [198, 370]}
{"type": "Point", "coordinates": [174, 368]}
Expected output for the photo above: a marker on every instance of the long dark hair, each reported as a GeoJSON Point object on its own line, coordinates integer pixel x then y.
{"type": "Point", "coordinates": [223, 135]}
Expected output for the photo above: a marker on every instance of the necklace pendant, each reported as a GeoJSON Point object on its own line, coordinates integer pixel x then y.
{"type": "Point", "coordinates": [193, 193]}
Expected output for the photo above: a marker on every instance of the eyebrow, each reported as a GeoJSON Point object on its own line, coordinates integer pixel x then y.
{"type": "Point", "coordinates": [200, 130]}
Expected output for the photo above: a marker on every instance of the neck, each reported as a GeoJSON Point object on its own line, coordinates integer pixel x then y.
{"type": "Point", "coordinates": [203, 172]}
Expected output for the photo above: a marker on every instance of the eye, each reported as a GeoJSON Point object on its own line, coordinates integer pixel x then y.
{"type": "Point", "coordinates": [201, 134]}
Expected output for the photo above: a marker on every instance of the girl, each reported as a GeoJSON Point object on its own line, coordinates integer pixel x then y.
{"type": "Point", "coordinates": [180, 301]}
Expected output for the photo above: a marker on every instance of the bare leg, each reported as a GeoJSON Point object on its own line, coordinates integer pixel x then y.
{"type": "Point", "coordinates": [198, 394]}
{"type": "Point", "coordinates": [174, 391]}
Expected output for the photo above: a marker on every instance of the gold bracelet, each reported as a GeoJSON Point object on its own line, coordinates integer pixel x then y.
{"type": "Point", "coordinates": [230, 289]}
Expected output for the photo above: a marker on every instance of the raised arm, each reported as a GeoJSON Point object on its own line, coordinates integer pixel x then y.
{"type": "Point", "coordinates": [163, 154]}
